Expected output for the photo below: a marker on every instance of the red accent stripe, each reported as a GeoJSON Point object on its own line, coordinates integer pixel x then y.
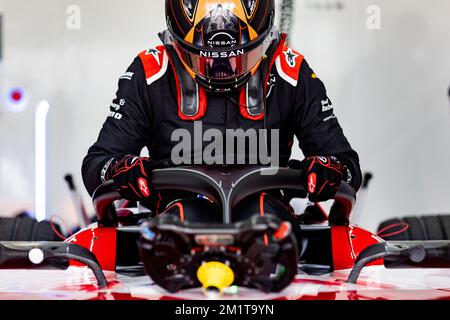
{"type": "Point", "coordinates": [151, 66]}
{"type": "Point", "coordinates": [404, 228]}
{"type": "Point", "coordinates": [181, 209]}
{"type": "Point", "coordinates": [261, 212]}
{"type": "Point", "coordinates": [158, 205]}
{"type": "Point", "coordinates": [134, 190]}
{"type": "Point", "coordinates": [282, 232]}
{"type": "Point", "coordinates": [324, 185]}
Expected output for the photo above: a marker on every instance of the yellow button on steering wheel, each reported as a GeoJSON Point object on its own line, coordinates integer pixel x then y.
{"type": "Point", "coordinates": [215, 275]}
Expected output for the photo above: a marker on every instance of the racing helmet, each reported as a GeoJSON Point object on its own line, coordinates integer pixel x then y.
{"type": "Point", "coordinates": [221, 43]}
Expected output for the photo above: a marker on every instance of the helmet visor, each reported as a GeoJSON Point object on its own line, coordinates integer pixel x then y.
{"type": "Point", "coordinates": [221, 65]}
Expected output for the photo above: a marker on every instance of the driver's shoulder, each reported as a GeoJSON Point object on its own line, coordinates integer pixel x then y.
{"type": "Point", "coordinates": [288, 64]}
{"type": "Point", "coordinates": [154, 62]}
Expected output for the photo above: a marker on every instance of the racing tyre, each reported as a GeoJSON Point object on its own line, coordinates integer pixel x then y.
{"type": "Point", "coordinates": [424, 228]}
{"type": "Point", "coordinates": [433, 228]}
{"type": "Point", "coordinates": [445, 224]}
{"type": "Point", "coordinates": [387, 230]}
{"type": "Point", "coordinates": [416, 230]}
{"type": "Point", "coordinates": [27, 229]}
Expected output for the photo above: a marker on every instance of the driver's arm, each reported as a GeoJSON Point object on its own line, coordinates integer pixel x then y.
{"type": "Point", "coordinates": [126, 131]}
{"type": "Point", "coordinates": [319, 131]}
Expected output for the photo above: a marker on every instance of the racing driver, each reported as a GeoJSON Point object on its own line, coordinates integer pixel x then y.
{"type": "Point", "coordinates": [222, 66]}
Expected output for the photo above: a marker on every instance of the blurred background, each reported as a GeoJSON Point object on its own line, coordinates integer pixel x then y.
{"type": "Point", "coordinates": [386, 65]}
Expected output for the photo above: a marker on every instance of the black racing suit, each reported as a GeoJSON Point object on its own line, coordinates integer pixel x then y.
{"type": "Point", "coordinates": [145, 115]}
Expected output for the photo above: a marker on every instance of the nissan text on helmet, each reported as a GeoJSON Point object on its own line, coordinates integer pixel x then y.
{"type": "Point", "coordinates": [221, 43]}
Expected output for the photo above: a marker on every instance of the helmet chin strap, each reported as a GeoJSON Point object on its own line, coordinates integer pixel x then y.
{"type": "Point", "coordinates": [192, 104]}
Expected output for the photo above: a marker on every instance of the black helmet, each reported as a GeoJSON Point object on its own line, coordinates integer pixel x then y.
{"type": "Point", "coordinates": [221, 42]}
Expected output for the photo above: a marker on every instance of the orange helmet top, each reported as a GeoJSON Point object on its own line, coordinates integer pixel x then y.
{"type": "Point", "coordinates": [221, 42]}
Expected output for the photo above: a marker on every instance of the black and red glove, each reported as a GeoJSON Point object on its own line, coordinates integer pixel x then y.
{"type": "Point", "coordinates": [131, 176]}
{"type": "Point", "coordinates": [324, 177]}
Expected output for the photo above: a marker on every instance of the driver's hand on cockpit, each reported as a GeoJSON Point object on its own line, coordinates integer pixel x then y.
{"type": "Point", "coordinates": [131, 176]}
{"type": "Point", "coordinates": [324, 176]}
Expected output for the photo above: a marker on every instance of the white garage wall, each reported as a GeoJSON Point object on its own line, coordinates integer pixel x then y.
{"type": "Point", "coordinates": [389, 87]}
{"type": "Point", "coordinates": [77, 71]}
{"type": "Point", "coordinates": [390, 90]}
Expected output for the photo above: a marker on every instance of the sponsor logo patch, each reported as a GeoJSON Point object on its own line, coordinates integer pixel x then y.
{"type": "Point", "coordinates": [323, 159]}
{"type": "Point", "coordinates": [222, 39]}
{"type": "Point", "coordinates": [271, 83]}
{"type": "Point", "coordinates": [327, 105]}
{"type": "Point", "coordinates": [115, 115]}
{"type": "Point", "coordinates": [223, 54]}
{"type": "Point", "coordinates": [116, 106]}
{"type": "Point", "coordinates": [291, 58]}
{"type": "Point", "coordinates": [312, 181]}
{"type": "Point", "coordinates": [115, 109]}
{"type": "Point", "coordinates": [127, 76]}
{"type": "Point", "coordinates": [144, 187]}
{"type": "Point", "coordinates": [155, 53]}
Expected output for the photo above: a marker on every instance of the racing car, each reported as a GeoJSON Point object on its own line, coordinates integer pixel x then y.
{"type": "Point", "coordinates": [165, 258]}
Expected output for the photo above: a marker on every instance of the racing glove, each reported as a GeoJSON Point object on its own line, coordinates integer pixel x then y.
{"type": "Point", "coordinates": [324, 177]}
{"type": "Point", "coordinates": [131, 176]}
